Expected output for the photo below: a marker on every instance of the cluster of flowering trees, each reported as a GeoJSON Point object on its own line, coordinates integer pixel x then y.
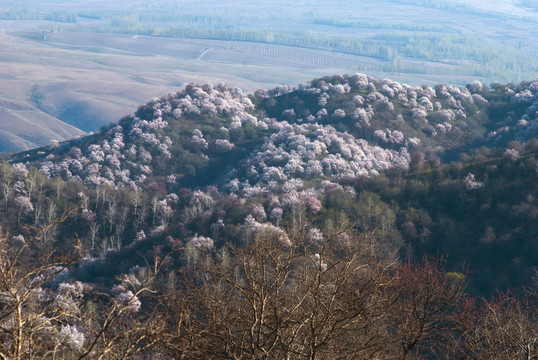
{"type": "Point", "coordinates": [281, 152]}
{"type": "Point", "coordinates": [343, 127]}
{"type": "Point", "coordinates": [434, 111]}
{"type": "Point", "coordinates": [349, 130]}
{"type": "Point", "coordinates": [314, 151]}
{"type": "Point", "coordinates": [519, 120]}
{"type": "Point", "coordinates": [128, 154]}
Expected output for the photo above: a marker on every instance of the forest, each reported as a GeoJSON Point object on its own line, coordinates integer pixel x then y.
{"type": "Point", "coordinates": [346, 217]}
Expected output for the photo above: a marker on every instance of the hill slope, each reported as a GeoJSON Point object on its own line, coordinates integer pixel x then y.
{"type": "Point", "coordinates": [373, 154]}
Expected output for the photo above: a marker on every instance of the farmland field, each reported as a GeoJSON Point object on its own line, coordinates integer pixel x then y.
{"type": "Point", "coordinates": [74, 68]}
{"type": "Point", "coordinates": [83, 80]}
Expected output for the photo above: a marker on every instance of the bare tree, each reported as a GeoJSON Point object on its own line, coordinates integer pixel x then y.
{"type": "Point", "coordinates": [26, 316]}
{"type": "Point", "coordinates": [423, 299]}
{"type": "Point", "coordinates": [43, 316]}
{"type": "Point", "coordinates": [500, 329]}
{"type": "Point", "coordinates": [6, 173]}
{"type": "Point", "coordinates": [275, 300]}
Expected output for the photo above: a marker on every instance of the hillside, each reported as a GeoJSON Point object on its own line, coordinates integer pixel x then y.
{"type": "Point", "coordinates": [339, 171]}
{"type": "Point", "coordinates": [342, 132]}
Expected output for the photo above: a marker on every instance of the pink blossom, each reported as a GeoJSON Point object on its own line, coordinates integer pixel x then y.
{"type": "Point", "coordinates": [144, 156]}
{"type": "Point", "coordinates": [129, 301]}
{"type": "Point", "coordinates": [339, 114]}
{"type": "Point", "coordinates": [171, 179]}
{"type": "Point", "coordinates": [276, 214]}
{"type": "Point", "coordinates": [258, 212]}
{"type": "Point", "coordinates": [197, 140]}
{"type": "Point", "coordinates": [20, 171]}
{"type": "Point", "coordinates": [312, 203]}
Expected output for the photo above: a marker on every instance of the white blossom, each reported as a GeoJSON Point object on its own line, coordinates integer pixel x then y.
{"type": "Point", "coordinates": [470, 182]}
{"type": "Point", "coordinates": [202, 242]}
{"type": "Point", "coordinates": [129, 301]}
{"type": "Point", "coordinates": [70, 336]}
{"type": "Point", "coordinates": [223, 145]}
{"type": "Point", "coordinates": [315, 235]}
